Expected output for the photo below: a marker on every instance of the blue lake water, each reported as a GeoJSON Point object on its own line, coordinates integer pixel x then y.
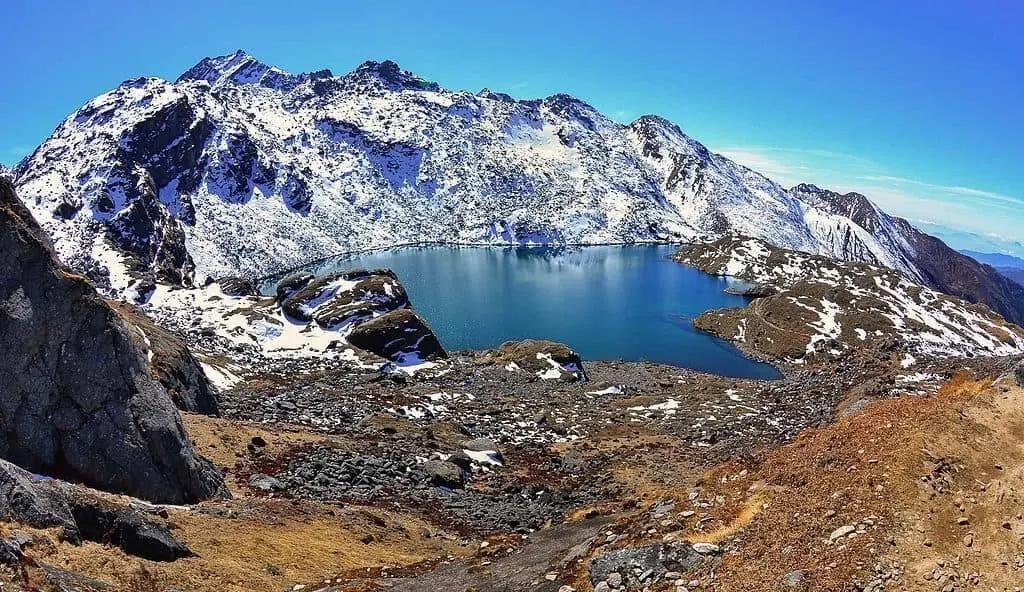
{"type": "Point", "coordinates": [607, 302]}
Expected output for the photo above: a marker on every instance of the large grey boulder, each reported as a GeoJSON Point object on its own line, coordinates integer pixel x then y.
{"type": "Point", "coordinates": [25, 499]}
{"type": "Point", "coordinates": [77, 400]}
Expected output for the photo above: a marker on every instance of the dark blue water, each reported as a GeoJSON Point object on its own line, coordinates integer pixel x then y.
{"type": "Point", "coordinates": [607, 302]}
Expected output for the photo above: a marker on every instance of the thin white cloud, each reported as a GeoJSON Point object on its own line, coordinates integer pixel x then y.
{"type": "Point", "coordinates": [948, 188]}
{"type": "Point", "coordinates": [968, 215]}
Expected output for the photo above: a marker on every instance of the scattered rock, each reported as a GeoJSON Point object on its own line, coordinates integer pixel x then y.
{"type": "Point", "coordinates": [841, 532]}
{"type": "Point", "coordinates": [638, 565]}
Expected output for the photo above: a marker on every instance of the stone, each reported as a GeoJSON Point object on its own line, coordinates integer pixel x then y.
{"type": "Point", "coordinates": [236, 286]}
{"type": "Point", "coordinates": [706, 548]}
{"type": "Point", "coordinates": [796, 579]}
{"type": "Point", "coordinates": [615, 579]}
{"type": "Point", "coordinates": [602, 587]}
{"type": "Point", "coordinates": [77, 400]}
{"type": "Point", "coordinates": [445, 474]}
{"type": "Point", "coordinates": [400, 336]}
{"type": "Point", "coordinates": [841, 532]}
{"type": "Point", "coordinates": [1018, 374]}
{"type": "Point", "coordinates": [266, 483]}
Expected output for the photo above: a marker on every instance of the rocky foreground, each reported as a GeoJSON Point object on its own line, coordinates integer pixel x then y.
{"type": "Point", "coordinates": [349, 451]}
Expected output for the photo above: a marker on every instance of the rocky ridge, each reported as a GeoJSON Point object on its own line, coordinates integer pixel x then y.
{"type": "Point", "coordinates": [242, 169]}
{"type": "Point", "coordinates": [827, 308]}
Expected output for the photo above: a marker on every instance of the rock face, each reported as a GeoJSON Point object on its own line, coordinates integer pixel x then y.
{"type": "Point", "coordinates": [546, 359]}
{"type": "Point", "coordinates": [386, 157]}
{"type": "Point", "coordinates": [173, 365]}
{"type": "Point", "coordinates": [76, 398]}
{"type": "Point", "coordinates": [401, 336]}
{"type": "Point", "coordinates": [45, 504]}
{"type": "Point", "coordinates": [827, 308]}
{"type": "Point", "coordinates": [26, 500]}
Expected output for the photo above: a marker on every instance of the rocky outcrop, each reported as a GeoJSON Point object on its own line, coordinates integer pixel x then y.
{"type": "Point", "coordinates": [338, 299]}
{"type": "Point", "coordinates": [826, 308]}
{"type": "Point", "coordinates": [77, 400]}
{"type": "Point", "coordinates": [401, 336]}
{"type": "Point", "coordinates": [236, 286]}
{"type": "Point", "coordinates": [546, 359]}
{"type": "Point", "coordinates": [26, 500]}
{"type": "Point", "coordinates": [171, 363]}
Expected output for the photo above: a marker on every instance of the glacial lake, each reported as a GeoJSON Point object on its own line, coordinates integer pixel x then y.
{"type": "Point", "coordinates": [606, 302]}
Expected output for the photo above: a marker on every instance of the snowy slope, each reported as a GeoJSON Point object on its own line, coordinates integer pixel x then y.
{"type": "Point", "coordinates": [239, 168]}
{"type": "Point", "coordinates": [824, 307]}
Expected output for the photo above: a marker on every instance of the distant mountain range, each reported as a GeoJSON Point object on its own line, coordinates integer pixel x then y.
{"type": "Point", "coordinates": [1008, 265]}
{"type": "Point", "coordinates": [240, 168]}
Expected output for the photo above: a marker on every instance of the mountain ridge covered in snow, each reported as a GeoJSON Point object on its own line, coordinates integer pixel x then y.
{"type": "Point", "coordinates": [240, 168]}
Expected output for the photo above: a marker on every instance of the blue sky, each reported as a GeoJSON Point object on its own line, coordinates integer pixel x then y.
{"type": "Point", "coordinates": [915, 103]}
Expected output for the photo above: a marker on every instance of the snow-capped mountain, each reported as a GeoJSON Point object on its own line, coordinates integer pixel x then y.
{"type": "Point", "coordinates": [239, 168]}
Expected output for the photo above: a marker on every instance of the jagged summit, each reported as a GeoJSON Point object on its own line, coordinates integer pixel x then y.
{"type": "Point", "coordinates": [391, 76]}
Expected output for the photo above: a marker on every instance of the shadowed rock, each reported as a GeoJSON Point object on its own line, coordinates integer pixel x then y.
{"type": "Point", "coordinates": [400, 336]}
{"type": "Point", "coordinates": [77, 400]}
{"type": "Point", "coordinates": [173, 365]}
{"type": "Point", "coordinates": [546, 359]}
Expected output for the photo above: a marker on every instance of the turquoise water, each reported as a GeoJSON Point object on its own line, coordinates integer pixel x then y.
{"type": "Point", "coordinates": [607, 302]}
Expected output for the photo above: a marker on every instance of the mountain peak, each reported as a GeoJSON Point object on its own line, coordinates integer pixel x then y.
{"type": "Point", "coordinates": [392, 76]}
{"type": "Point", "coordinates": [213, 69]}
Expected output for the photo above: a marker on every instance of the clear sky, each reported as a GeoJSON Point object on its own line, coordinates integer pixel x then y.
{"type": "Point", "coordinates": [916, 103]}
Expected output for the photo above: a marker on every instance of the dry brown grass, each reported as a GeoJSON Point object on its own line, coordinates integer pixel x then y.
{"type": "Point", "coordinates": [782, 505]}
